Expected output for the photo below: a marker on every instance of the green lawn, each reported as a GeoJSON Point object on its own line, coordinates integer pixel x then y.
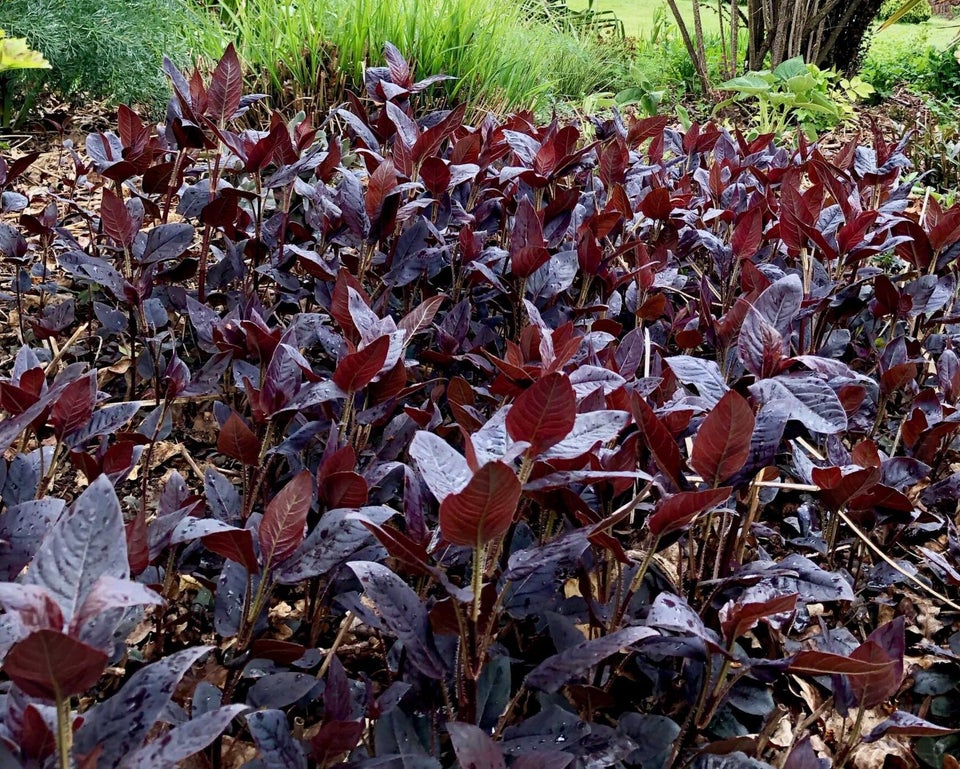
{"type": "Point", "coordinates": [638, 16]}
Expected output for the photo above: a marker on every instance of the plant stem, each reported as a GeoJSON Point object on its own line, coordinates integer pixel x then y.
{"type": "Point", "coordinates": [479, 555]}
{"type": "Point", "coordinates": [64, 731]}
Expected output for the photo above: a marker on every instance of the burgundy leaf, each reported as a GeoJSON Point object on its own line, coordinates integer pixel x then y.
{"type": "Point", "coordinates": [663, 447]}
{"type": "Point", "coordinates": [474, 748]}
{"type": "Point", "coordinates": [285, 519]}
{"type": "Point", "coordinates": [742, 616]}
{"type": "Point", "coordinates": [483, 511]}
{"type": "Point", "coordinates": [382, 183]}
{"type": "Point", "coordinates": [116, 219]}
{"type": "Point", "coordinates": [237, 441]}
{"type": "Point", "coordinates": [824, 663]}
{"type": "Point", "coordinates": [678, 511]}
{"type": "Point", "coordinates": [234, 545]}
{"type": "Point", "coordinates": [421, 316]}
{"type": "Point", "coordinates": [527, 246]}
{"type": "Point", "coordinates": [226, 87]}
{"type": "Point", "coordinates": [50, 665]}
{"type": "Point", "coordinates": [334, 739]}
{"type": "Point", "coordinates": [73, 409]}
{"type": "Point", "coordinates": [356, 370]}
{"type": "Point", "coordinates": [748, 234]}
{"type": "Point", "coordinates": [884, 645]}
{"type": "Point", "coordinates": [544, 414]}
{"type": "Point", "coordinates": [656, 204]}
{"type": "Point", "coordinates": [722, 445]}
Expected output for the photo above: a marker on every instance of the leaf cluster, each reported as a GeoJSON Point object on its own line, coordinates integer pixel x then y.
{"type": "Point", "coordinates": [530, 449]}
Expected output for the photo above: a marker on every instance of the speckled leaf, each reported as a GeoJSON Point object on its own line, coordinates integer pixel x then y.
{"type": "Point", "coordinates": [86, 543]}
{"type": "Point", "coordinates": [120, 724]}
{"type": "Point", "coordinates": [403, 614]}
{"type": "Point", "coordinates": [278, 749]}
{"type": "Point", "coordinates": [184, 740]}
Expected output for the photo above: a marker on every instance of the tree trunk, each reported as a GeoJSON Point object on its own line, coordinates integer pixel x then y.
{"type": "Point", "coordinates": [829, 33]}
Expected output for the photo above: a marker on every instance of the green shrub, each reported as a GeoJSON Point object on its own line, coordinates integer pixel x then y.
{"type": "Point", "coordinates": [942, 75]}
{"type": "Point", "coordinates": [896, 62]}
{"type": "Point", "coordinates": [919, 13]}
{"type": "Point", "coordinates": [501, 58]}
{"type": "Point", "coordinates": [102, 49]}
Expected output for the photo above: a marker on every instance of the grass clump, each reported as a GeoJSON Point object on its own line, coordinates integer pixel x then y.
{"type": "Point", "coordinates": [99, 49]}
{"type": "Point", "coordinates": [501, 57]}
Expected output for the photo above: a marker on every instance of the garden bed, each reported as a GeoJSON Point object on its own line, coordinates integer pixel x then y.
{"type": "Point", "coordinates": [407, 443]}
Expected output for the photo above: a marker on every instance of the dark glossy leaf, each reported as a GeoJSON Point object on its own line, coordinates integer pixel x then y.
{"type": "Point", "coordinates": [703, 374]}
{"type": "Point", "coordinates": [807, 399]}
{"type": "Point", "coordinates": [184, 740]}
{"type": "Point", "coordinates": [907, 725]}
{"type": "Point", "coordinates": [760, 345]}
{"type": "Point", "coordinates": [94, 622]}
{"type": "Point", "coordinates": [589, 430]}
{"type": "Point", "coordinates": [402, 613]}
{"type": "Point", "coordinates": [167, 241]}
{"type": "Point", "coordinates": [555, 671]}
{"type": "Point", "coordinates": [278, 690]}
{"type": "Point", "coordinates": [106, 420]}
{"type": "Point", "coordinates": [23, 527]}
{"type": "Point", "coordinates": [271, 733]}
{"type": "Point", "coordinates": [119, 725]}
{"type": "Point", "coordinates": [474, 748]}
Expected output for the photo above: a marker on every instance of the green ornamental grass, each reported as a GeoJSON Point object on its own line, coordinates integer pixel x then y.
{"type": "Point", "coordinates": [500, 54]}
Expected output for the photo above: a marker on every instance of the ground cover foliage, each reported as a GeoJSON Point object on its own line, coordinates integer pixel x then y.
{"type": "Point", "coordinates": [527, 445]}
